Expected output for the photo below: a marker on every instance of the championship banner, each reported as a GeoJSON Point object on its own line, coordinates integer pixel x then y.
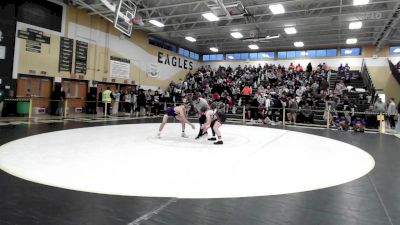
{"type": "Point", "coordinates": [120, 68]}
{"type": "Point", "coordinates": [152, 70]}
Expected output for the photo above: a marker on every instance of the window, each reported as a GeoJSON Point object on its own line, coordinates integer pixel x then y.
{"type": "Point", "coordinates": [191, 55]}
{"type": "Point", "coordinates": [244, 55]}
{"type": "Point", "coordinates": [311, 53]}
{"type": "Point", "coordinates": [394, 50]}
{"type": "Point", "coordinates": [188, 53]}
{"type": "Point", "coordinates": [300, 54]}
{"type": "Point", "coordinates": [162, 44]}
{"type": "Point", "coordinates": [331, 52]}
{"type": "Point", "coordinates": [253, 55]}
{"type": "Point", "coordinates": [350, 51]}
{"type": "Point", "coordinates": [281, 55]}
{"type": "Point", "coordinates": [266, 55]}
{"type": "Point", "coordinates": [291, 54]}
{"type": "Point", "coordinates": [321, 53]}
{"type": "Point", "coordinates": [233, 56]}
{"type": "Point", "coordinates": [213, 57]}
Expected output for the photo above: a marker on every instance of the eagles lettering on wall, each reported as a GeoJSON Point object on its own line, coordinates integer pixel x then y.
{"type": "Point", "coordinates": [175, 61]}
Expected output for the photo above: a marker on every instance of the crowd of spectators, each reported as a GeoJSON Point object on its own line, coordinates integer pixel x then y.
{"type": "Point", "coordinates": [264, 90]}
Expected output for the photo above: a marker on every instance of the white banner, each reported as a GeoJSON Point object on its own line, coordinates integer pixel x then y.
{"type": "Point", "coordinates": [120, 68]}
{"type": "Point", "coordinates": [152, 70]}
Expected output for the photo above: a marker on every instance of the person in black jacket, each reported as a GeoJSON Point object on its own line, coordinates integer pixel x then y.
{"type": "Point", "coordinates": [141, 101]}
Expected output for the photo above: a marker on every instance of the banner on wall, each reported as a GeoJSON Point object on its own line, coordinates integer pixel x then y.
{"type": "Point", "coordinates": [120, 67]}
{"type": "Point", "coordinates": [152, 70]}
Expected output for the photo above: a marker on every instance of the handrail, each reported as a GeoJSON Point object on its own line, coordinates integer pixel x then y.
{"type": "Point", "coordinates": [394, 70]}
{"type": "Point", "coordinates": [366, 77]}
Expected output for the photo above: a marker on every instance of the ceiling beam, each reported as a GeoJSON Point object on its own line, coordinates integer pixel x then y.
{"type": "Point", "coordinates": [304, 18]}
{"type": "Point", "coordinates": [293, 39]}
{"type": "Point", "coordinates": [389, 29]}
{"type": "Point", "coordinates": [170, 6]}
{"type": "Point", "coordinates": [267, 13]}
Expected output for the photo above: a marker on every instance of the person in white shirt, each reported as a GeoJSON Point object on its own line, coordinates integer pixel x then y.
{"type": "Point", "coordinates": [115, 107]}
{"type": "Point", "coordinates": [127, 102]}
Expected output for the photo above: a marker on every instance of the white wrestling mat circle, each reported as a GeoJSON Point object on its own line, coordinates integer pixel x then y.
{"type": "Point", "coordinates": [130, 160]}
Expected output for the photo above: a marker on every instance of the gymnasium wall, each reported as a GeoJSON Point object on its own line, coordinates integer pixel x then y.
{"type": "Point", "coordinates": [104, 41]}
{"type": "Point", "coordinates": [7, 27]}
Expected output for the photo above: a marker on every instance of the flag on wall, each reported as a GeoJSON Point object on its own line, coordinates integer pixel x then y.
{"type": "Point", "coordinates": [152, 70]}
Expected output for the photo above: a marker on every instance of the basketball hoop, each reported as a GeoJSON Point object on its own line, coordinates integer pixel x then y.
{"type": "Point", "coordinates": [133, 20]}
{"type": "Point", "coordinates": [137, 20]}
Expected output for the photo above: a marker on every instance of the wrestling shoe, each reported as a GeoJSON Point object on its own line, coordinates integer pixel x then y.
{"type": "Point", "coordinates": [220, 142]}
{"type": "Point", "coordinates": [200, 135]}
{"type": "Point", "coordinates": [184, 135]}
{"type": "Point", "coordinates": [212, 139]}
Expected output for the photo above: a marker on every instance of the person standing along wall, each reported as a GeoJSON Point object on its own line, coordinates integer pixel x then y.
{"type": "Point", "coordinates": [391, 111]}
{"type": "Point", "coordinates": [106, 99]}
{"type": "Point", "coordinates": [115, 107]}
{"type": "Point", "coordinates": [141, 102]}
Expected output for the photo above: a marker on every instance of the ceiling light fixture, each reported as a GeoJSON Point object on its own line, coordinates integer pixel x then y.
{"type": "Point", "coordinates": [236, 35]}
{"type": "Point", "coordinates": [355, 25]}
{"type": "Point", "coordinates": [397, 50]}
{"type": "Point", "coordinates": [351, 41]}
{"type": "Point", "coordinates": [191, 39]}
{"type": "Point", "coordinates": [214, 49]}
{"type": "Point", "coordinates": [253, 47]}
{"type": "Point", "coordinates": [290, 30]}
{"type": "Point", "coordinates": [298, 44]}
{"type": "Point", "coordinates": [277, 9]}
{"type": "Point", "coordinates": [210, 16]}
{"type": "Point", "coordinates": [360, 2]}
{"type": "Point", "coordinates": [156, 23]}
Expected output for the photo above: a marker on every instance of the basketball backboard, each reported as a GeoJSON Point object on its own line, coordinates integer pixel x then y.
{"type": "Point", "coordinates": [124, 12]}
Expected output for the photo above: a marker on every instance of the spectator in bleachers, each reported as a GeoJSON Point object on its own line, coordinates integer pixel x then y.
{"type": "Point", "coordinates": [347, 67]}
{"type": "Point", "coordinates": [292, 108]}
{"type": "Point", "coordinates": [324, 87]}
{"type": "Point", "coordinates": [341, 68]}
{"type": "Point", "coordinates": [340, 87]}
{"type": "Point", "coordinates": [306, 115]}
{"type": "Point", "coordinates": [325, 67]}
{"type": "Point", "coordinates": [299, 68]}
{"type": "Point", "coordinates": [358, 124]}
{"type": "Point", "coordinates": [342, 123]}
{"type": "Point", "coordinates": [309, 68]}
{"type": "Point", "coordinates": [246, 92]}
{"type": "Point", "coordinates": [292, 67]}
